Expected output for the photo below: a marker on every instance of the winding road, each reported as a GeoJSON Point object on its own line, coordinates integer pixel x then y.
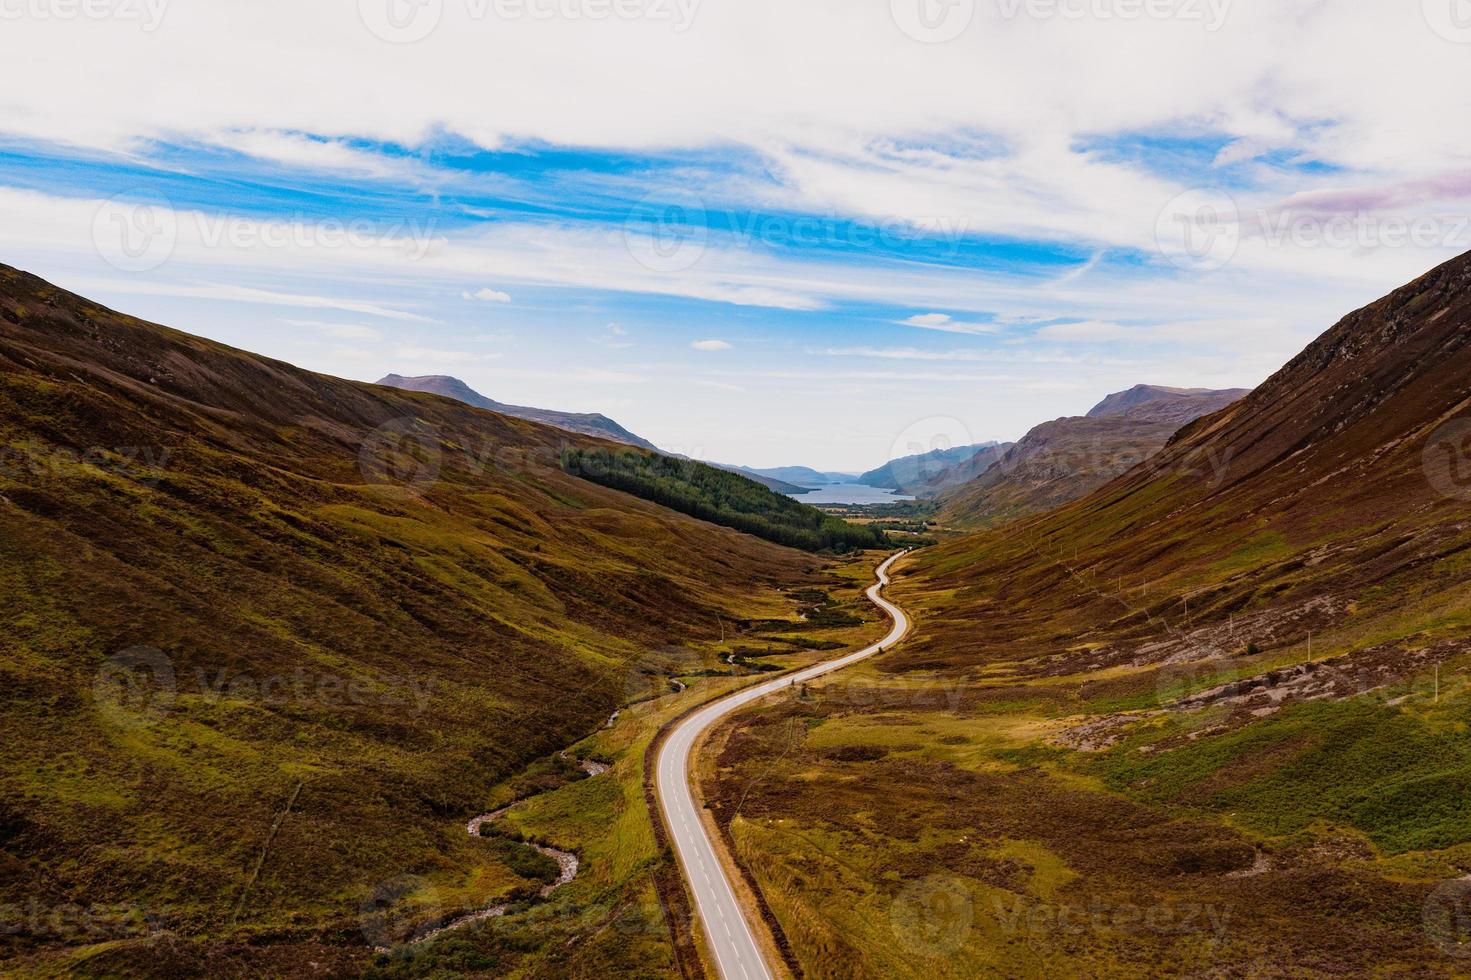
{"type": "Point", "coordinates": [731, 938]}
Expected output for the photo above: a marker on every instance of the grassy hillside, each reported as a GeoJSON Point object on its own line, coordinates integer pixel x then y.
{"type": "Point", "coordinates": [1209, 719]}
{"type": "Point", "coordinates": [721, 497]}
{"type": "Point", "coordinates": [270, 637]}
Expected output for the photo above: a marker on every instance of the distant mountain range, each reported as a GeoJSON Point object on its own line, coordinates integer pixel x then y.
{"type": "Point", "coordinates": [590, 424]}
{"type": "Point", "coordinates": [1062, 460]}
{"type": "Point", "coordinates": [913, 474]}
{"type": "Point", "coordinates": [802, 476]}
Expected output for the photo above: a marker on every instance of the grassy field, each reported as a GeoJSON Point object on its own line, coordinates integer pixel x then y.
{"type": "Point", "coordinates": [610, 920]}
{"type": "Point", "coordinates": [1208, 720]}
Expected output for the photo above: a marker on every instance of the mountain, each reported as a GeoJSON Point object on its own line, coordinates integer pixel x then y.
{"type": "Point", "coordinates": [1235, 678]}
{"type": "Point", "coordinates": [271, 636]}
{"type": "Point", "coordinates": [1064, 459]}
{"type": "Point", "coordinates": [769, 482]}
{"type": "Point", "coordinates": [962, 471]}
{"type": "Point", "coordinates": [804, 476]}
{"type": "Point", "coordinates": [588, 424]}
{"type": "Point", "coordinates": [1158, 403]}
{"type": "Point", "coordinates": [913, 473]}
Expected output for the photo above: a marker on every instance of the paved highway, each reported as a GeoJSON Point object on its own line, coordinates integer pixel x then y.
{"type": "Point", "coordinates": [731, 938]}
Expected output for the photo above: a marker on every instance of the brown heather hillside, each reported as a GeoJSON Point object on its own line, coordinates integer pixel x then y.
{"type": "Point", "coordinates": [1209, 720]}
{"type": "Point", "coordinates": [269, 636]}
{"type": "Point", "coordinates": [1062, 460]}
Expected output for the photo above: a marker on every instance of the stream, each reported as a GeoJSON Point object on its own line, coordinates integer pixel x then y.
{"type": "Point", "coordinates": [566, 863]}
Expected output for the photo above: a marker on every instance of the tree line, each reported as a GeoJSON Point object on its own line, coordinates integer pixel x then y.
{"type": "Point", "coordinates": [720, 497]}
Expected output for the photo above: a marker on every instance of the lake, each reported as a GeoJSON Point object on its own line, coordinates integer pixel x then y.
{"type": "Point", "coordinates": [850, 493]}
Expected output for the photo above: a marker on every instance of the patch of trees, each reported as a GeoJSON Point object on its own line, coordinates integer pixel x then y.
{"type": "Point", "coordinates": [720, 497]}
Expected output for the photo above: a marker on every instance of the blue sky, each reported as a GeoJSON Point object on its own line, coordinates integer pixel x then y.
{"type": "Point", "coordinates": [772, 236]}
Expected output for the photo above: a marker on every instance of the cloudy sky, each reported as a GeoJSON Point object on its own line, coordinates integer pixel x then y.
{"type": "Point", "coordinates": [761, 231]}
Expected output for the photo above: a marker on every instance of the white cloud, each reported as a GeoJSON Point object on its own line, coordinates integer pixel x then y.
{"type": "Point", "coordinates": [614, 339]}
{"type": "Point", "coordinates": [297, 150]}
{"type": "Point", "coordinates": [341, 331]}
{"type": "Point", "coordinates": [710, 345]}
{"type": "Point", "coordinates": [432, 355]}
{"type": "Point", "coordinates": [248, 294]}
{"type": "Point", "coordinates": [487, 295]}
{"type": "Point", "coordinates": [947, 323]}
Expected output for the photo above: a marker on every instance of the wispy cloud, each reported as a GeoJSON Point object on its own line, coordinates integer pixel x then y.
{"type": "Point", "coordinates": [341, 331]}
{"type": "Point", "coordinates": [945, 322]}
{"type": "Point", "coordinates": [711, 345]}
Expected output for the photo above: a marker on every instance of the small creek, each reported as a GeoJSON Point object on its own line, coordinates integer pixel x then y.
{"type": "Point", "coordinates": [566, 863]}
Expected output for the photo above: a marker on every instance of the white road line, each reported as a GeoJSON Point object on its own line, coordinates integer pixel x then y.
{"type": "Point", "coordinates": [736, 955]}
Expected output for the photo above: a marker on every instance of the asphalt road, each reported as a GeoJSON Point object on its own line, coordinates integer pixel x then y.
{"type": "Point", "coordinates": [731, 937]}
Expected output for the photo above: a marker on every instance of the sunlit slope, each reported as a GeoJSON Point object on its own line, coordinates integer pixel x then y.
{"type": "Point", "coordinates": [231, 584]}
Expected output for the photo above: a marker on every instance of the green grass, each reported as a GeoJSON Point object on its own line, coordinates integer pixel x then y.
{"type": "Point", "coordinates": [1402, 779]}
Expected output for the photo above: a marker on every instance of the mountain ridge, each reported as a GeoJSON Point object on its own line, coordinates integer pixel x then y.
{"type": "Point", "coordinates": [1066, 458]}
{"type": "Point", "coordinates": [587, 423]}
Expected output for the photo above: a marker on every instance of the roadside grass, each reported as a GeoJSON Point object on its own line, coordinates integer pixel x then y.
{"type": "Point", "coordinates": [608, 920]}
